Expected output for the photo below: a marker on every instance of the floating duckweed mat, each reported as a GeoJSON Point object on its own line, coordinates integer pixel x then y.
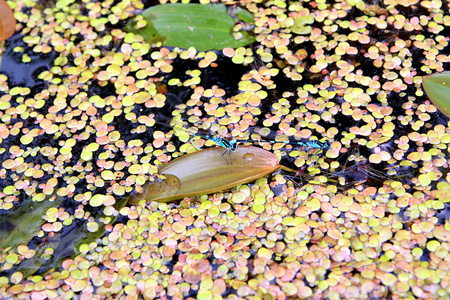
{"type": "Point", "coordinates": [367, 218]}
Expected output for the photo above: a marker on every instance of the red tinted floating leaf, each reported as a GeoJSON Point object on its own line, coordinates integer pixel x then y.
{"type": "Point", "coordinates": [207, 171]}
{"type": "Point", "coordinates": [437, 87]}
{"type": "Point", "coordinates": [7, 21]}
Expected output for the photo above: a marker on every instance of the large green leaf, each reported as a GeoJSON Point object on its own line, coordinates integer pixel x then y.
{"type": "Point", "coordinates": [204, 27]}
{"type": "Point", "coordinates": [437, 87]}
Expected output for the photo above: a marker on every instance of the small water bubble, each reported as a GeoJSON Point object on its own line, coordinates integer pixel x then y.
{"type": "Point", "coordinates": [248, 157]}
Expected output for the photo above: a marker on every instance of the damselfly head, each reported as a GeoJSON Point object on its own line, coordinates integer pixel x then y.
{"type": "Point", "coordinates": [233, 145]}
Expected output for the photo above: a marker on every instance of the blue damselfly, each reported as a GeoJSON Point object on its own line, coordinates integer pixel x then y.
{"type": "Point", "coordinates": [231, 144]}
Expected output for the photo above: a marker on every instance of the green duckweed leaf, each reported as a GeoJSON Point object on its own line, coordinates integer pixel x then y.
{"type": "Point", "coordinates": [437, 87]}
{"type": "Point", "coordinates": [207, 171]}
{"type": "Point", "coordinates": [205, 27]}
{"type": "Point", "coordinates": [301, 24]}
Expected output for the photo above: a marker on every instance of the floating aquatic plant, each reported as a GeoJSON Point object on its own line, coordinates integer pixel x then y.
{"type": "Point", "coordinates": [206, 171]}
{"type": "Point", "coordinates": [352, 80]}
{"type": "Point", "coordinates": [7, 21]}
{"type": "Point", "coordinates": [437, 87]}
{"type": "Point", "coordinates": [301, 24]}
{"type": "Point", "coordinates": [204, 27]}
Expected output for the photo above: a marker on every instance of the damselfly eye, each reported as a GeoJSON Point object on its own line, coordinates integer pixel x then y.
{"type": "Point", "coordinates": [233, 145]}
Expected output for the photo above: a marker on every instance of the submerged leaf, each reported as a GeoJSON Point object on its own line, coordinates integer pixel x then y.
{"type": "Point", "coordinates": [207, 171]}
{"type": "Point", "coordinates": [204, 27]}
{"type": "Point", "coordinates": [437, 87]}
{"type": "Point", "coordinates": [7, 21]}
{"type": "Point", "coordinates": [19, 227]}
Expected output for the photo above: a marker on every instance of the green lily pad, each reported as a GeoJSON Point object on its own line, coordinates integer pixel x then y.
{"type": "Point", "coordinates": [207, 171]}
{"type": "Point", "coordinates": [205, 27]}
{"type": "Point", "coordinates": [437, 87]}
